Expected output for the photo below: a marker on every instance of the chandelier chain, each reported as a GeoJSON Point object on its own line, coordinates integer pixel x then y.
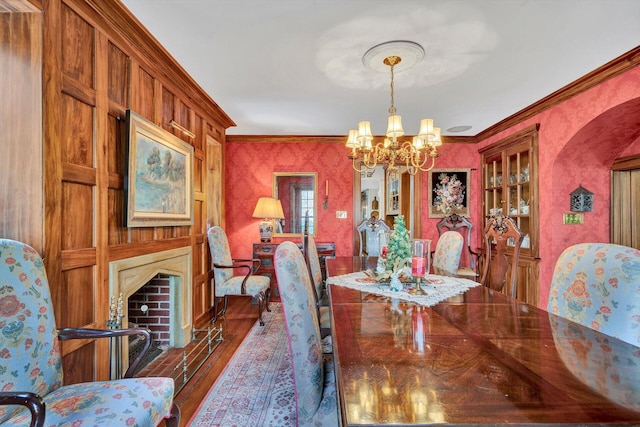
{"type": "Point", "coordinates": [392, 108]}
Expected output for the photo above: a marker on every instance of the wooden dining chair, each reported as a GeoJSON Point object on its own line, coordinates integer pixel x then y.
{"type": "Point", "coordinates": [315, 272]}
{"type": "Point", "coordinates": [314, 378]}
{"type": "Point", "coordinates": [501, 236]}
{"type": "Point", "coordinates": [33, 392]}
{"type": "Point", "coordinates": [598, 286]}
{"type": "Point", "coordinates": [446, 257]}
{"type": "Point", "coordinates": [462, 225]}
{"type": "Point", "coordinates": [226, 283]}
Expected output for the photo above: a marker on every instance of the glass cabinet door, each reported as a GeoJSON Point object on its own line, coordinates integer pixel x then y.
{"type": "Point", "coordinates": [493, 199]}
{"type": "Point", "coordinates": [518, 191]}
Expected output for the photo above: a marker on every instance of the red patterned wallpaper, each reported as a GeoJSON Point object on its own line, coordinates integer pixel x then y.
{"type": "Point", "coordinates": [579, 139]}
{"type": "Point", "coordinates": [249, 171]}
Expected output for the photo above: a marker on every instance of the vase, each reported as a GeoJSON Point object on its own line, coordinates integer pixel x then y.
{"type": "Point", "coordinates": [420, 249]}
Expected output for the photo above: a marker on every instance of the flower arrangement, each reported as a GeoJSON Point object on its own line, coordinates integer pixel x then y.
{"type": "Point", "coordinates": [449, 194]}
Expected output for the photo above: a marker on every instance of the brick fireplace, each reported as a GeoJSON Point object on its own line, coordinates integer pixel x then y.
{"type": "Point", "coordinates": [150, 307]}
{"type": "Point", "coordinates": [128, 275]}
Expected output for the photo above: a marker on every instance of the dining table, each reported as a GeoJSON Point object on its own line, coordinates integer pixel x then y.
{"type": "Point", "coordinates": [465, 354]}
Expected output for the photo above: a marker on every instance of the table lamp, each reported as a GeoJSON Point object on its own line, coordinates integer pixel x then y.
{"type": "Point", "coordinates": [268, 209]}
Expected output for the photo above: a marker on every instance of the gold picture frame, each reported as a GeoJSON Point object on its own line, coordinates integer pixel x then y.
{"type": "Point", "coordinates": [159, 181]}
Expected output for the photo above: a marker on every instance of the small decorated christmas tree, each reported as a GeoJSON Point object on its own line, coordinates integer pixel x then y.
{"type": "Point", "coordinates": [399, 247]}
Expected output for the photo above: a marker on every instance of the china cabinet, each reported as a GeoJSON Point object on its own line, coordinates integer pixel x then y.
{"type": "Point", "coordinates": [510, 187]}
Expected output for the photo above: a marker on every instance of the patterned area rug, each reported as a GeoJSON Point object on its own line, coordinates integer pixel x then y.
{"type": "Point", "coordinates": [244, 394]}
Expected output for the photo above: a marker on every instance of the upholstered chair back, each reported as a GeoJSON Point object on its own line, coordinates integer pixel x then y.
{"type": "Point", "coordinates": [29, 349]}
{"type": "Point", "coordinates": [446, 257]}
{"type": "Point", "coordinates": [598, 285]}
{"type": "Point", "coordinates": [298, 304]}
{"type": "Point", "coordinates": [462, 225]}
{"type": "Point", "coordinates": [220, 254]}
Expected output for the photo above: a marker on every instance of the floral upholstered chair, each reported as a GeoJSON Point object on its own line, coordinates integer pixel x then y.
{"type": "Point", "coordinates": [446, 257]}
{"type": "Point", "coordinates": [314, 379]}
{"type": "Point", "coordinates": [598, 285]}
{"type": "Point", "coordinates": [462, 225]}
{"type": "Point", "coordinates": [31, 377]}
{"type": "Point", "coordinates": [226, 283]}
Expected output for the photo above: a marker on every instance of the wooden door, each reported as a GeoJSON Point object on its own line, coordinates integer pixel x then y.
{"type": "Point", "coordinates": [214, 182]}
{"type": "Point", "coordinates": [625, 201]}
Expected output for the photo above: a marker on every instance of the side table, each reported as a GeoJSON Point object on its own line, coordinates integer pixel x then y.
{"type": "Point", "coordinates": [265, 252]}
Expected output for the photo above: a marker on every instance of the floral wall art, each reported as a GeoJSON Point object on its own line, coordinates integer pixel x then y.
{"type": "Point", "coordinates": [449, 192]}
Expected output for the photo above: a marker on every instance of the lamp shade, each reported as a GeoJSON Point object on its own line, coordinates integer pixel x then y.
{"type": "Point", "coordinates": [352, 140]}
{"type": "Point", "coordinates": [268, 207]}
{"type": "Point", "coordinates": [394, 127]}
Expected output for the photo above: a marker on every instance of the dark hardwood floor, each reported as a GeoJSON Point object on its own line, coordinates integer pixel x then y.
{"type": "Point", "coordinates": [240, 318]}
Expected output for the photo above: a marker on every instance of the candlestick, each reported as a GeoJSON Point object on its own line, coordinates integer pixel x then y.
{"type": "Point", "coordinates": [325, 204]}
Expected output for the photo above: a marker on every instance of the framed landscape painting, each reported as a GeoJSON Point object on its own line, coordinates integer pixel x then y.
{"type": "Point", "coordinates": [449, 192]}
{"type": "Point", "coordinates": [159, 182]}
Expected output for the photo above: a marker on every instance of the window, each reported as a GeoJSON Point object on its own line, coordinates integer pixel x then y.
{"type": "Point", "coordinates": [306, 209]}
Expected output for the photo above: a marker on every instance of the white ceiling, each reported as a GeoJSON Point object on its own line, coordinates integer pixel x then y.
{"type": "Point", "coordinates": [294, 67]}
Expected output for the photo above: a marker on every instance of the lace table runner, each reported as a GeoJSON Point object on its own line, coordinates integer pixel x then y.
{"type": "Point", "coordinates": [438, 288]}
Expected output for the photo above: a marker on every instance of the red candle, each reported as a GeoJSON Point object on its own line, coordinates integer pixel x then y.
{"type": "Point", "coordinates": [418, 266]}
{"type": "Point", "coordinates": [384, 252]}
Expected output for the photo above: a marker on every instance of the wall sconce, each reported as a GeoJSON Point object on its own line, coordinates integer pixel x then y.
{"type": "Point", "coordinates": [268, 209]}
{"type": "Point", "coordinates": [581, 200]}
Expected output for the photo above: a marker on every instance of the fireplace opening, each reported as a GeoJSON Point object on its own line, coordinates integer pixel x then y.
{"type": "Point", "coordinates": [150, 307]}
{"type": "Point", "coordinates": [160, 284]}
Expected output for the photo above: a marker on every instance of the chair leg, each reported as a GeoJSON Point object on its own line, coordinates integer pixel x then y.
{"type": "Point", "coordinates": [174, 418]}
{"type": "Point", "coordinates": [224, 309]}
{"type": "Point", "coordinates": [267, 297]}
{"type": "Point", "coordinates": [260, 298]}
{"type": "Point", "coordinates": [215, 308]}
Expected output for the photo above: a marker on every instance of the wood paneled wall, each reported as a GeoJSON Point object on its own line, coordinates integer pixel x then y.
{"type": "Point", "coordinates": [97, 62]}
{"type": "Point", "coordinates": [21, 191]}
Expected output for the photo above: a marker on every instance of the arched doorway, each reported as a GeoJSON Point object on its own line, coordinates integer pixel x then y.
{"type": "Point", "coordinates": [587, 160]}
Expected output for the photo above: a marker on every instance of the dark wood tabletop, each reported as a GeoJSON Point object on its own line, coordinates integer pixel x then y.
{"type": "Point", "coordinates": [477, 358]}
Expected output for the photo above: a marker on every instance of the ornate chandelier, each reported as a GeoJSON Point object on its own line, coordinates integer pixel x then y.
{"type": "Point", "coordinates": [418, 154]}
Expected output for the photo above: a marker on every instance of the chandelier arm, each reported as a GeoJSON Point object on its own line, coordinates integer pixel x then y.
{"type": "Point", "coordinates": [433, 163]}
{"type": "Point", "coordinates": [418, 160]}
{"type": "Point", "coordinates": [366, 159]}
{"type": "Point", "coordinates": [353, 165]}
